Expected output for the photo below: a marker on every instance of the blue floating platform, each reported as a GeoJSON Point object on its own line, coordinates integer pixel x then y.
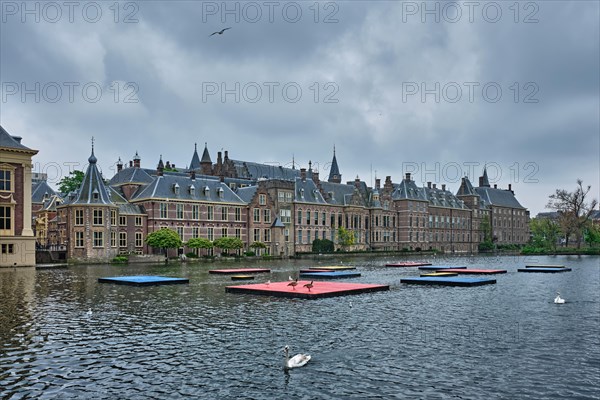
{"type": "Point", "coordinates": [143, 280]}
{"type": "Point", "coordinates": [440, 267]}
{"type": "Point", "coordinates": [329, 274]}
{"type": "Point", "coordinates": [448, 281]}
{"type": "Point", "coordinates": [544, 269]}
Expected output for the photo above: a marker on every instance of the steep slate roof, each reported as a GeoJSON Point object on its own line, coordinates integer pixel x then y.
{"type": "Point", "coordinates": [498, 197]}
{"type": "Point", "coordinates": [130, 209]}
{"type": "Point", "coordinates": [306, 191]}
{"type": "Point", "coordinates": [485, 180]}
{"type": "Point", "coordinates": [410, 191]}
{"type": "Point", "coordinates": [51, 203]}
{"type": "Point", "coordinates": [339, 193]}
{"type": "Point", "coordinates": [130, 175]}
{"type": "Point", "coordinates": [247, 193]}
{"type": "Point", "coordinates": [92, 189]}
{"type": "Point", "coordinates": [334, 170]}
{"type": "Point", "coordinates": [164, 187]}
{"type": "Point", "coordinates": [466, 188]}
{"type": "Point", "coordinates": [39, 190]}
{"type": "Point", "coordinates": [195, 163]}
{"type": "Point", "coordinates": [205, 155]}
{"type": "Point", "coordinates": [254, 171]}
{"type": "Point", "coordinates": [12, 142]}
{"type": "Point", "coordinates": [444, 198]}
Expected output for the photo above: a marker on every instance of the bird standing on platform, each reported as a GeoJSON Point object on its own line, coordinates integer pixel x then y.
{"type": "Point", "coordinates": [309, 285]}
{"type": "Point", "coordinates": [558, 299]}
{"type": "Point", "coordinates": [293, 284]}
{"type": "Point", "coordinates": [299, 360]}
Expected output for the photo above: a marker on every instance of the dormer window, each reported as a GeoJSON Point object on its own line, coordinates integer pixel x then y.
{"type": "Point", "coordinates": [176, 188]}
{"type": "Point", "coordinates": [331, 195]}
{"type": "Point", "coordinates": [220, 192]}
{"type": "Point", "coordinates": [302, 193]}
{"type": "Point", "coordinates": [206, 190]}
{"type": "Point", "coordinates": [192, 190]}
{"type": "Point", "coordinates": [95, 195]}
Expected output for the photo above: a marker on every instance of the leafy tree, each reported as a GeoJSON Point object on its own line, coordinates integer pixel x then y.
{"type": "Point", "coordinates": [345, 237]}
{"type": "Point", "coordinates": [573, 210]}
{"type": "Point", "coordinates": [228, 243]}
{"type": "Point", "coordinates": [164, 239]}
{"type": "Point", "coordinates": [592, 235]}
{"type": "Point", "coordinates": [258, 245]}
{"type": "Point", "coordinates": [545, 233]}
{"type": "Point", "coordinates": [71, 182]}
{"type": "Point", "coordinates": [323, 246]}
{"type": "Point", "coordinates": [199, 243]}
{"type": "Point", "coordinates": [486, 228]}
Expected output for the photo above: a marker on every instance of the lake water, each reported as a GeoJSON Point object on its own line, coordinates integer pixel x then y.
{"type": "Point", "coordinates": [507, 340]}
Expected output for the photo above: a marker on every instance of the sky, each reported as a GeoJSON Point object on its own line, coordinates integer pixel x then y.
{"type": "Point", "coordinates": [437, 89]}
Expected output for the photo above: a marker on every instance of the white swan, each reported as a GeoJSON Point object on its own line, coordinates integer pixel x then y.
{"type": "Point", "coordinates": [299, 360]}
{"type": "Point", "coordinates": [558, 299]}
{"type": "Point", "coordinates": [89, 312]}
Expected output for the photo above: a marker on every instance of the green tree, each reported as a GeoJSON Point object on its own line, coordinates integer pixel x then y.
{"type": "Point", "coordinates": [486, 228]}
{"type": "Point", "coordinates": [164, 239]}
{"type": "Point", "coordinates": [258, 245]}
{"type": "Point", "coordinates": [227, 243]}
{"type": "Point", "coordinates": [323, 246]}
{"type": "Point", "coordinates": [71, 182]}
{"type": "Point", "coordinates": [573, 210]}
{"type": "Point", "coordinates": [544, 233]}
{"type": "Point", "coordinates": [199, 243]}
{"type": "Point", "coordinates": [345, 237]}
{"type": "Point", "coordinates": [592, 235]}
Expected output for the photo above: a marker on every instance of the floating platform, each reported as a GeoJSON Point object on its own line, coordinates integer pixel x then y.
{"type": "Point", "coordinates": [334, 267]}
{"type": "Point", "coordinates": [319, 289]}
{"type": "Point", "coordinates": [143, 280]}
{"type": "Point", "coordinates": [475, 271]}
{"type": "Point", "coordinates": [241, 277]}
{"type": "Point", "coordinates": [310, 271]}
{"type": "Point", "coordinates": [440, 274]}
{"type": "Point", "coordinates": [545, 266]}
{"type": "Point", "coordinates": [407, 264]}
{"type": "Point", "coordinates": [448, 281]}
{"type": "Point", "coordinates": [329, 274]}
{"type": "Point", "coordinates": [239, 271]}
{"type": "Point", "coordinates": [439, 267]}
{"type": "Point", "coordinates": [544, 269]}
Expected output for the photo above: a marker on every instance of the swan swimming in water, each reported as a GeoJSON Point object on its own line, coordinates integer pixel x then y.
{"type": "Point", "coordinates": [299, 360]}
{"type": "Point", "coordinates": [558, 299]}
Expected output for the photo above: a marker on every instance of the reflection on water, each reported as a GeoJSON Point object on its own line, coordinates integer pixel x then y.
{"type": "Point", "coordinates": [508, 340]}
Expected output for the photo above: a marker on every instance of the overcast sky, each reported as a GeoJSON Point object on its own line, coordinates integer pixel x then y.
{"type": "Point", "coordinates": [436, 89]}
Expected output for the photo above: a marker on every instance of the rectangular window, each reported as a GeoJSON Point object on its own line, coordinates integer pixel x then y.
{"type": "Point", "coordinates": [122, 220]}
{"type": "Point", "coordinates": [281, 197]}
{"type": "Point", "coordinates": [180, 231]}
{"type": "Point", "coordinates": [179, 211]}
{"type": "Point", "coordinates": [267, 215]}
{"type": "Point", "coordinates": [256, 235]}
{"type": "Point", "coordinates": [98, 239]}
{"type": "Point", "coordinates": [164, 210]}
{"type": "Point", "coordinates": [113, 239]}
{"type": "Point", "coordinates": [98, 217]}
{"type": "Point", "coordinates": [299, 217]}
{"type": "Point", "coordinates": [139, 239]}
{"type": "Point", "coordinates": [113, 217]}
{"type": "Point", "coordinates": [262, 199]}
{"type": "Point", "coordinates": [210, 234]}
{"type": "Point", "coordinates": [307, 217]}
{"type": "Point", "coordinates": [195, 232]}
{"type": "Point", "coordinates": [138, 221]}
{"type": "Point", "coordinates": [256, 214]}
{"type": "Point", "coordinates": [195, 212]}
{"type": "Point", "coordinates": [267, 235]}
{"type": "Point", "coordinates": [238, 214]}
{"type": "Point", "coordinates": [79, 217]}
{"type": "Point", "coordinates": [324, 218]}
{"type": "Point", "coordinates": [224, 213]}
{"type": "Point", "coordinates": [5, 180]}
{"type": "Point", "coordinates": [8, 248]}
{"type": "Point", "coordinates": [238, 233]}
{"type": "Point", "coordinates": [224, 232]}
{"type": "Point", "coordinates": [78, 239]}
{"type": "Point", "coordinates": [286, 216]}
{"type": "Point", "coordinates": [211, 213]}
{"type": "Point", "coordinates": [123, 239]}
{"type": "Point", "coordinates": [316, 218]}
{"type": "Point", "coordinates": [308, 237]}
{"type": "Point", "coordinates": [286, 234]}
{"type": "Point", "coordinates": [288, 197]}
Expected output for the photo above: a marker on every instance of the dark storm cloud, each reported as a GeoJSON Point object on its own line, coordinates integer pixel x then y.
{"type": "Point", "coordinates": [365, 63]}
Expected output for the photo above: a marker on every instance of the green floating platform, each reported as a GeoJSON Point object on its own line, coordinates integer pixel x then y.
{"type": "Point", "coordinates": [143, 280]}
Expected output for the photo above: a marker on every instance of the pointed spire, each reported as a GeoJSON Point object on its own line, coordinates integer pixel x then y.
{"type": "Point", "coordinates": [195, 163]}
{"type": "Point", "coordinates": [136, 157]}
{"type": "Point", "coordinates": [484, 182]}
{"type": "Point", "coordinates": [334, 172]}
{"type": "Point", "coordinates": [92, 159]}
{"type": "Point", "coordinates": [160, 162]}
{"type": "Point", "coordinates": [293, 162]}
{"type": "Point", "coordinates": [205, 155]}
{"type": "Point", "coordinates": [92, 189]}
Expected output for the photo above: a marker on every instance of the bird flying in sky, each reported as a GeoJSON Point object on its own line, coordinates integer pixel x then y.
{"type": "Point", "coordinates": [219, 32]}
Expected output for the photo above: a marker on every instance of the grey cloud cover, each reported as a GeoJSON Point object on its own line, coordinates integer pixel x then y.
{"type": "Point", "coordinates": [370, 54]}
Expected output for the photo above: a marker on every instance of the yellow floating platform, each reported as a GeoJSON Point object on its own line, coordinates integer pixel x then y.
{"type": "Point", "coordinates": [441, 274]}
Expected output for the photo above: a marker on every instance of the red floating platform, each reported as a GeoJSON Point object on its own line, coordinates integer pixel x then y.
{"type": "Point", "coordinates": [475, 271]}
{"type": "Point", "coordinates": [407, 264]}
{"type": "Point", "coordinates": [319, 289]}
{"type": "Point", "coordinates": [239, 271]}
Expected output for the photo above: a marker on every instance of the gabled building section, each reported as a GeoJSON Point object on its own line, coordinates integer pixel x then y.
{"type": "Point", "coordinates": [17, 240]}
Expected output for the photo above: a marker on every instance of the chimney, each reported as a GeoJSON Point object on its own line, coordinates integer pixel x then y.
{"type": "Point", "coordinates": [495, 186]}
{"type": "Point", "coordinates": [173, 166]}
{"type": "Point", "coordinates": [315, 177]}
{"type": "Point", "coordinates": [444, 187]}
{"type": "Point", "coordinates": [303, 174]}
{"type": "Point", "coordinates": [130, 163]}
{"type": "Point", "coordinates": [226, 155]}
{"type": "Point", "coordinates": [168, 165]}
{"type": "Point", "coordinates": [193, 175]}
{"type": "Point", "coordinates": [428, 185]}
{"type": "Point", "coordinates": [434, 185]}
{"type": "Point", "coordinates": [408, 176]}
{"type": "Point", "coordinates": [119, 165]}
{"type": "Point", "coordinates": [510, 188]}
{"type": "Point", "coordinates": [377, 183]}
{"type": "Point", "coordinates": [219, 160]}
{"type": "Point", "coordinates": [357, 181]}
{"type": "Point", "coordinates": [388, 182]}
{"type": "Point", "coordinates": [17, 139]}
